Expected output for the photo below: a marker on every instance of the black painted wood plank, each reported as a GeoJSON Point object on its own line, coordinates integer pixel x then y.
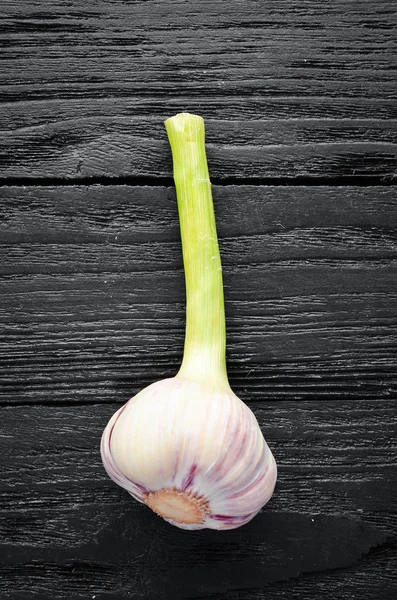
{"type": "Point", "coordinates": [288, 89]}
{"type": "Point", "coordinates": [238, 149]}
{"type": "Point", "coordinates": [373, 578]}
{"type": "Point", "coordinates": [274, 45]}
{"type": "Point", "coordinates": [92, 291]}
{"type": "Point", "coordinates": [67, 528]}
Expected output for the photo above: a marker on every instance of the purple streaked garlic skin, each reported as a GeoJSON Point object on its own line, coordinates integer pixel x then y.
{"type": "Point", "coordinates": [193, 452]}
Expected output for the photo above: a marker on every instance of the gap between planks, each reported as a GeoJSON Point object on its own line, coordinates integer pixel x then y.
{"type": "Point", "coordinates": [363, 181]}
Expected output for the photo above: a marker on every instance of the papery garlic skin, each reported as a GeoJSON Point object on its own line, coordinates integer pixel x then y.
{"type": "Point", "coordinates": [186, 444]}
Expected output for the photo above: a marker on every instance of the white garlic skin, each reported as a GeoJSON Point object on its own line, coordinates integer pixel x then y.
{"type": "Point", "coordinates": [196, 440]}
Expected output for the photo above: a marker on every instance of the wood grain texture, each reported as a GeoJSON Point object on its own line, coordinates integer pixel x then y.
{"type": "Point", "coordinates": [93, 291]}
{"type": "Point", "coordinates": [288, 89]}
{"type": "Point", "coordinates": [65, 526]}
{"type": "Point", "coordinates": [92, 288]}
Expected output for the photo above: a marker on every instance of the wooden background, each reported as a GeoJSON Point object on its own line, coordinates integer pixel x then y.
{"type": "Point", "coordinates": [299, 99]}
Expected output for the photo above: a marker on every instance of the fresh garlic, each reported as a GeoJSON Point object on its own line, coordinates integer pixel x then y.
{"type": "Point", "coordinates": [187, 446]}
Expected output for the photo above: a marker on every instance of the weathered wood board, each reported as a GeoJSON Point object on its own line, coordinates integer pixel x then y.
{"type": "Point", "coordinates": [299, 100]}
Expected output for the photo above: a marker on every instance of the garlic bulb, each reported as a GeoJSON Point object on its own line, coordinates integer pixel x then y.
{"type": "Point", "coordinates": [187, 446]}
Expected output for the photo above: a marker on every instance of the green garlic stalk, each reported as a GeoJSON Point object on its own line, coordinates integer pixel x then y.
{"type": "Point", "coordinates": [205, 341]}
{"type": "Point", "coordinates": [187, 446]}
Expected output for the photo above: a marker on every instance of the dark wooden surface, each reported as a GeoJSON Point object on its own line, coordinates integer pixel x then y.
{"type": "Point", "coordinates": [299, 101]}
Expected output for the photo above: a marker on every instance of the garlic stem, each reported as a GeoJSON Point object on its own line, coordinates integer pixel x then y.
{"type": "Point", "coordinates": [205, 337]}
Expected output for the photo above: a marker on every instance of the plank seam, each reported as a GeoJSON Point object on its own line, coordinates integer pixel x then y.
{"type": "Point", "coordinates": [142, 181]}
